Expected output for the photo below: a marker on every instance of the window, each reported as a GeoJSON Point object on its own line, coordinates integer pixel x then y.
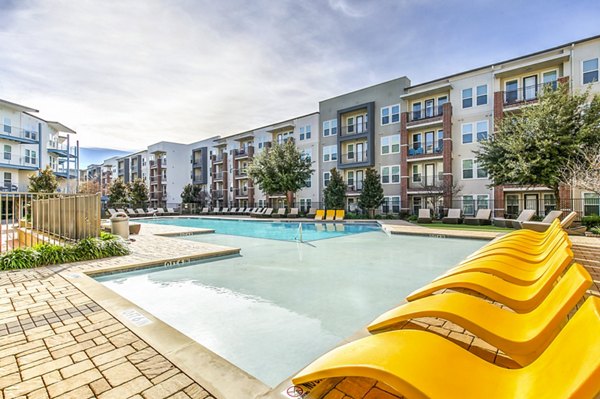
{"type": "Point", "coordinates": [390, 144]}
{"type": "Point", "coordinates": [416, 141]}
{"type": "Point", "coordinates": [481, 172]}
{"type": "Point", "coordinates": [549, 203]}
{"type": "Point", "coordinates": [591, 204]}
{"type": "Point", "coordinates": [440, 141]}
{"type": "Point", "coordinates": [7, 152]}
{"type": "Point", "coordinates": [467, 168]}
{"type": "Point", "coordinates": [482, 130]}
{"type": "Point", "coordinates": [307, 154]}
{"type": "Point", "coordinates": [441, 101]}
{"type": "Point", "coordinates": [350, 151]}
{"type": "Point", "coordinates": [333, 127]}
{"type": "Point", "coordinates": [467, 98]}
{"type": "Point", "coordinates": [326, 128]}
{"type": "Point", "coordinates": [330, 127]}
{"type": "Point", "coordinates": [429, 142]}
{"type": "Point", "coordinates": [390, 204]}
{"type": "Point", "coordinates": [307, 129]}
{"type": "Point", "coordinates": [483, 201]}
{"type": "Point", "coordinates": [330, 153]}
{"type": "Point", "coordinates": [385, 116]}
{"type": "Point", "coordinates": [326, 178]}
{"type": "Point", "coordinates": [550, 79]}
{"type": "Point", "coordinates": [467, 133]}
{"type": "Point", "coordinates": [390, 114]}
{"type": "Point", "coordinates": [30, 156]}
{"type": "Point", "coordinates": [590, 71]}
{"type": "Point", "coordinates": [305, 132]}
{"type": "Point", "coordinates": [305, 204]}
{"type": "Point", "coordinates": [416, 205]}
{"type": "Point", "coordinates": [7, 179]}
{"type": "Point", "coordinates": [416, 111]}
{"type": "Point", "coordinates": [416, 174]}
{"type": "Point", "coordinates": [350, 125]}
{"type": "Point", "coordinates": [482, 95]}
{"type": "Point", "coordinates": [261, 203]}
{"type": "Point", "coordinates": [350, 178]}
{"type": "Point", "coordinates": [7, 125]}
{"type": "Point", "coordinates": [468, 205]}
{"type": "Point", "coordinates": [390, 174]}
{"type": "Point", "coordinates": [395, 113]}
{"type": "Point", "coordinates": [512, 204]}
{"type": "Point", "coordinates": [301, 133]}
{"type": "Point", "coordinates": [511, 94]}
{"type": "Point", "coordinates": [308, 182]}
{"type": "Point", "coordinates": [429, 108]}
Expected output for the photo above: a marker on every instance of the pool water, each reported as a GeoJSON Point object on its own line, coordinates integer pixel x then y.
{"type": "Point", "coordinates": [281, 304]}
{"type": "Point", "coordinates": [284, 231]}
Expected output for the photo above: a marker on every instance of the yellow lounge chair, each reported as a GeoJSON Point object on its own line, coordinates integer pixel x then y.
{"type": "Point", "coordinates": [517, 245]}
{"type": "Point", "coordinates": [330, 214]}
{"type": "Point", "coordinates": [340, 214]}
{"type": "Point", "coordinates": [523, 337]}
{"type": "Point", "coordinates": [520, 298]}
{"type": "Point", "coordinates": [512, 270]}
{"type": "Point", "coordinates": [528, 239]}
{"type": "Point", "coordinates": [420, 364]}
{"type": "Point", "coordinates": [320, 214]}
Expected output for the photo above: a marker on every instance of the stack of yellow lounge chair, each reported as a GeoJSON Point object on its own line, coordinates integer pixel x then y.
{"type": "Point", "coordinates": [529, 272]}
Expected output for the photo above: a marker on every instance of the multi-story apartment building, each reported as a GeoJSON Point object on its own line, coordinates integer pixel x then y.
{"type": "Point", "coordinates": [133, 166]}
{"type": "Point", "coordinates": [359, 130]}
{"type": "Point", "coordinates": [30, 143]}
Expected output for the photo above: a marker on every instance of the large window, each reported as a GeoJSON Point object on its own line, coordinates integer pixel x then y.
{"type": "Point", "coordinates": [467, 133]}
{"type": "Point", "coordinates": [350, 178]}
{"type": "Point", "coordinates": [391, 204]}
{"type": "Point", "coordinates": [591, 204]}
{"type": "Point", "coordinates": [7, 152]}
{"type": "Point", "coordinates": [482, 95]}
{"type": "Point", "coordinates": [416, 174]}
{"type": "Point", "coordinates": [390, 114]}
{"type": "Point", "coordinates": [305, 132]}
{"type": "Point", "coordinates": [390, 174]}
{"type": "Point", "coordinates": [390, 144]}
{"type": "Point", "coordinates": [7, 179]}
{"type": "Point", "coordinates": [467, 169]}
{"type": "Point", "coordinates": [305, 204]}
{"type": "Point", "coordinates": [590, 71]}
{"type": "Point", "coordinates": [30, 157]}
{"type": "Point", "coordinates": [330, 127]}
{"type": "Point", "coordinates": [467, 98]}
{"type": "Point", "coordinates": [326, 178]}
{"type": "Point", "coordinates": [350, 125]}
{"type": "Point", "coordinates": [7, 126]}
{"type": "Point", "coordinates": [330, 153]}
{"type": "Point", "coordinates": [416, 141]}
{"type": "Point", "coordinates": [482, 130]}
{"type": "Point", "coordinates": [416, 111]}
{"type": "Point", "coordinates": [307, 154]}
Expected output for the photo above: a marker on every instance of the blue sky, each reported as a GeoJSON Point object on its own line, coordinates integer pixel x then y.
{"type": "Point", "coordinates": [125, 74]}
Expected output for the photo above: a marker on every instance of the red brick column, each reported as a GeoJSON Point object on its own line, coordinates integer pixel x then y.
{"type": "Point", "coordinates": [225, 180]}
{"type": "Point", "coordinates": [499, 201]}
{"type": "Point", "coordinates": [447, 154]}
{"type": "Point", "coordinates": [498, 108]}
{"type": "Point", "coordinates": [404, 174]}
{"type": "Point", "coordinates": [565, 199]}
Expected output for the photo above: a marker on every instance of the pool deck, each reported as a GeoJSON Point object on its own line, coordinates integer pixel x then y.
{"type": "Point", "coordinates": [63, 335]}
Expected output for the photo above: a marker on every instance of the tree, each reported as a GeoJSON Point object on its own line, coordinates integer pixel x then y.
{"type": "Point", "coordinates": [281, 169]}
{"type": "Point", "coordinates": [584, 171]}
{"type": "Point", "coordinates": [118, 193]}
{"type": "Point", "coordinates": [138, 193]}
{"type": "Point", "coordinates": [335, 192]}
{"type": "Point", "coordinates": [44, 182]}
{"type": "Point", "coordinates": [371, 196]}
{"type": "Point", "coordinates": [534, 146]}
{"type": "Point", "coordinates": [190, 194]}
{"type": "Point", "coordinates": [89, 187]}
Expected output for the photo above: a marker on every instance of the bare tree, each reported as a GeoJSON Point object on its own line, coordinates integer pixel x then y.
{"type": "Point", "coordinates": [439, 190]}
{"type": "Point", "coordinates": [584, 171]}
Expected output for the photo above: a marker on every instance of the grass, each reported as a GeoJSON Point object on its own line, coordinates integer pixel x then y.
{"type": "Point", "coordinates": [440, 225]}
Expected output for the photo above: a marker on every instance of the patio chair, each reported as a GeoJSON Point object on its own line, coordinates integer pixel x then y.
{"type": "Point", "coordinates": [223, 211]}
{"type": "Point", "coordinates": [267, 213]}
{"type": "Point", "coordinates": [481, 218]}
{"type": "Point", "coordinates": [257, 212]}
{"type": "Point", "coordinates": [111, 211]}
{"type": "Point", "coordinates": [151, 212]}
{"type": "Point", "coordinates": [121, 210]}
{"type": "Point", "coordinates": [293, 213]}
{"type": "Point", "coordinates": [311, 213]}
{"type": "Point", "coordinates": [160, 211]}
{"type": "Point", "coordinates": [215, 211]}
{"type": "Point", "coordinates": [454, 217]}
{"type": "Point", "coordinates": [140, 212]}
{"type": "Point", "coordinates": [249, 211]}
{"type": "Point", "coordinates": [340, 214]}
{"type": "Point", "coordinates": [171, 211]}
{"type": "Point", "coordinates": [568, 221]}
{"type": "Point", "coordinates": [424, 215]}
{"type": "Point", "coordinates": [522, 336]}
{"type": "Point", "coordinates": [410, 360]}
{"type": "Point", "coordinates": [543, 225]}
{"type": "Point", "coordinates": [241, 211]}
{"type": "Point", "coordinates": [204, 211]}
{"type": "Point", "coordinates": [320, 214]}
{"type": "Point", "coordinates": [233, 211]}
{"type": "Point", "coordinates": [330, 214]}
{"type": "Point", "coordinates": [131, 212]}
{"type": "Point", "coordinates": [280, 213]}
{"type": "Point", "coordinates": [526, 214]}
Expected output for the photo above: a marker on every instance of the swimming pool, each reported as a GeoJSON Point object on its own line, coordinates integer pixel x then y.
{"type": "Point", "coordinates": [275, 230]}
{"type": "Point", "coordinates": [281, 304]}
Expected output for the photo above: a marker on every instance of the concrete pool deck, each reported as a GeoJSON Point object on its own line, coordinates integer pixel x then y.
{"type": "Point", "coordinates": [62, 335]}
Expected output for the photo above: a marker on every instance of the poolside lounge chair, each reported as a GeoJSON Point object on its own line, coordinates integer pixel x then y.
{"type": "Point", "coordinates": [204, 211]}
{"type": "Point", "coordinates": [280, 213]}
{"type": "Point", "coordinates": [320, 214]}
{"type": "Point", "coordinates": [293, 213]}
{"type": "Point", "coordinates": [241, 211]}
{"type": "Point", "coordinates": [171, 211]}
{"type": "Point", "coordinates": [482, 217]}
{"type": "Point", "coordinates": [224, 211]}
{"type": "Point", "coordinates": [340, 214]}
{"type": "Point", "coordinates": [526, 214]}
{"type": "Point", "coordinates": [311, 213]}
{"type": "Point", "coordinates": [151, 212]}
{"type": "Point", "coordinates": [215, 211]}
{"type": "Point", "coordinates": [249, 211]}
{"type": "Point", "coordinates": [267, 213]}
{"type": "Point", "coordinates": [160, 211]}
{"type": "Point", "coordinates": [454, 217]}
{"type": "Point", "coordinates": [521, 336]}
{"type": "Point", "coordinates": [419, 364]}
{"type": "Point", "coordinates": [131, 212]}
{"type": "Point", "coordinates": [140, 212]}
{"type": "Point", "coordinates": [233, 211]}
{"type": "Point", "coordinates": [543, 225]}
{"type": "Point", "coordinates": [121, 210]}
{"type": "Point", "coordinates": [111, 211]}
{"type": "Point", "coordinates": [330, 214]}
{"type": "Point", "coordinates": [257, 212]}
{"type": "Point", "coordinates": [568, 221]}
{"type": "Point", "coordinates": [424, 215]}
{"type": "Point", "coordinates": [520, 298]}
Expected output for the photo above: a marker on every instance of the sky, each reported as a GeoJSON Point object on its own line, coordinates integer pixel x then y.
{"type": "Point", "coordinates": [128, 73]}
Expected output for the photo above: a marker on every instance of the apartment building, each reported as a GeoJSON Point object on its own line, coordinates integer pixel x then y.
{"type": "Point", "coordinates": [133, 166]}
{"type": "Point", "coordinates": [359, 130]}
{"type": "Point", "coordinates": [30, 143]}
{"type": "Point", "coordinates": [231, 155]}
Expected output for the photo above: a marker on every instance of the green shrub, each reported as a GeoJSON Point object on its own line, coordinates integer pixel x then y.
{"type": "Point", "coordinates": [412, 218]}
{"type": "Point", "coordinates": [595, 230]}
{"type": "Point", "coordinates": [106, 245]}
{"type": "Point", "coordinates": [591, 221]}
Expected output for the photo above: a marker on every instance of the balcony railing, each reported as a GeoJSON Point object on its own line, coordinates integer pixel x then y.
{"type": "Point", "coordinates": [18, 134]}
{"type": "Point", "coordinates": [18, 161]}
{"type": "Point", "coordinates": [527, 93]}
{"type": "Point", "coordinates": [216, 194]}
{"type": "Point", "coordinates": [426, 183]}
{"type": "Point", "coordinates": [217, 157]}
{"type": "Point", "coordinates": [354, 129]}
{"type": "Point", "coordinates": [241, 152]}
{"type": "Point", "coordinates": [354, 186]}
{"type": "Point", "coordinates": [62, 149]}
{"type": "Point", "coordinates": [426, 113]}
{"type": "Point", "coordinates": [218, 176]}
{"type": "Point", "coordinates": [154, 163]}
{"type": "Point", "coordinates": [428, 149]}
{"type": "Point", "coordinates": [241, 192]}
{"type": "Point", "coordinates": [354, 157]}
{"type": "Point", "coordinates": [241, 173]}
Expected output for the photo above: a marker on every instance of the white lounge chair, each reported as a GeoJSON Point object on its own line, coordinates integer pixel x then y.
{"type": "Point", "coordinates": [424, 215]}
{"type": "Point", "coordinates": [280, 213]}
{"type": "Point", "coordinates": [454, 217]}
{"type": "Point", "coordinates": [482, 217]}
{"type": "Point", "coordinates": [525, 215]}
{"type": "Point", "coordinates": [543, 225]}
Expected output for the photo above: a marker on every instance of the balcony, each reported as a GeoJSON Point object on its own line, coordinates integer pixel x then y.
{"type": "Point", "coordinates": [61, 171]}
{"type": "Point", "coordinates": [426, 116]}
{"type": "Point", "coordinates": [156, 179]}
{"type": "Point", "coordinates": [241, 174]}
{"type": "Point", "coordinates": [25, 136]}
{"type": "Point", "coordinates": [241, 153]}
{"type": "Point", "coordinates": [241, 192]}
{"type": "Point", "coordinates": [155, 164]}
{"type": "Point", "coordinates": [217, 194]}
{"type": "Point", "coordinates": [62, 150]}
{"type": "Point", "coordinates": [427, 184]}
{"type": "Point", "coordinates": [356, 129]}
{"type": "Point", "coordinates": [352, 158]}
{"type": "Point", "coordinates": [217, 158]}
{"type": "Point", "coordinates": [354, 187]}
{"type": "Point", "coordinates": [428, 150]}
{"type": "Point", "coordinates": [196, 163]}
{"type": "Point", "coordinates": [518, 96]}
{"type": "Point", "coordinates": [16, 162]}
{"type": "Point", "coordinates": [217, 176]}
